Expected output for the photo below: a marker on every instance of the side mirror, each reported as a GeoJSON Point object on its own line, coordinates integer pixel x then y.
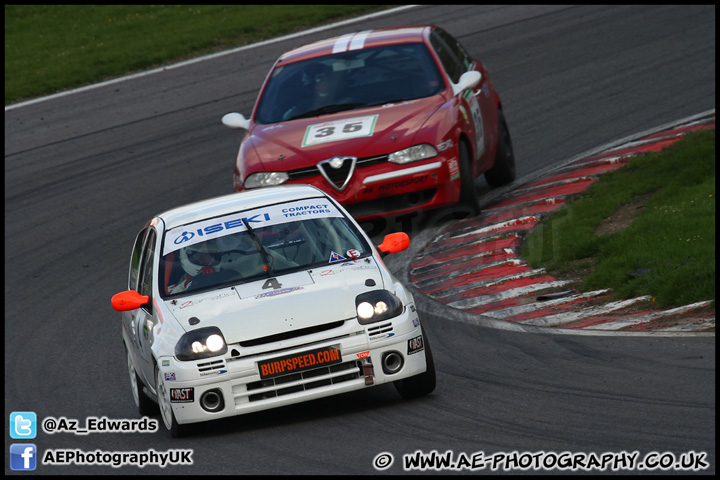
{"type": "Point", "coordinates": [394, 243]}
{"type": "Point", "coordinates": [128, 300]}
{"type": "Point", "coordinates": [467, 80]}
{"type": "Point", "coordinates": [235, 120]}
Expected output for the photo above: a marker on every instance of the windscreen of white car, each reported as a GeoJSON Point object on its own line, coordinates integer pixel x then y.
{"type": "Point", "coordinates": [255, 244]}
{"type": "Point", "coordinates": [349, 80]}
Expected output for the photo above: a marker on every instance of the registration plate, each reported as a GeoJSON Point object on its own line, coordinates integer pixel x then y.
{"type": "Point", "coordinates": [299, 362]}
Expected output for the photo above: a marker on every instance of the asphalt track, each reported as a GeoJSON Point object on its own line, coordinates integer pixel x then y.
{"type": "Point", "coordinates": [84, 171]}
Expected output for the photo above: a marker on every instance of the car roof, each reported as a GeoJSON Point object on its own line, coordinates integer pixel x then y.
{"type": "Point", "coordinates": [234, 202]}
{"type": "Point", "coordinates": [356, 40]}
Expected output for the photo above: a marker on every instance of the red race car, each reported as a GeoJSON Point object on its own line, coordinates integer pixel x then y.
{"type": "Point", "coordinates": [386, 121]}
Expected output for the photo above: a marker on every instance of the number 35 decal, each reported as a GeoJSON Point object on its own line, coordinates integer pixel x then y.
{"type": "Point", "coordinates": [339, 130]}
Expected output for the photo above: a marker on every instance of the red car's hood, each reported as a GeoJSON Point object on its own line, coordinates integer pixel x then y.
{"type": "Point", "coordinates": [280, 146]}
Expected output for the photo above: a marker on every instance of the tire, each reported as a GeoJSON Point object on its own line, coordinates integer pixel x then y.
{"type": "Point", "coordinates": [468, 195]}
{"type": "Point", "coordinates": [145, 405]}
{"type": "Point", "coordinates": [421, 384]}
{"type": "Point", "coordinates": [166, 412]}
{"type": "Point", "coordinates": [503, 171]}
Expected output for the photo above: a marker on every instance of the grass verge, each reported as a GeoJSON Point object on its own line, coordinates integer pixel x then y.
{"type": "Point", "coordinates": [667, 251]}
{"type": "Point", "coordinates": [49, 48]}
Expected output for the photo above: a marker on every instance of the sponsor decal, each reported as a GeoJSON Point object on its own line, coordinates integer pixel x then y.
{"type": "Point", "coordinates": [206, 232]}
{"type": "Point", "coordinates": [182, 395]}
{"type": "Point", "coordinates": [187, 235]}
{"type": "Point", "coordinates": [403, 183]}
{"type": "Point", "coordinates": [278, 292]}
{"type": "Point", "coordinates": [477, 125]}
{"type": "Point", "coordinates": [416, 322]}
{"type": "Point", "coordinates": [213, 372]}
{"type": "Point", "coordinates": [464, 113]}
{"type": "Point", "coordinates": [339, 130]}
{"type": "Point", "coordinates": [336, 257]}
{"type": "Point", "coordinates": [363, 354]}
{"type": "Point", "coordinates": [381, 336]}
{"type": "Point", "coordinates": [454, 168]}
{"type": "Point", "coordinates": [170, 376]}
{"type": "Point", "coordinates": [441, 147]}
{"type": "Point", "coordinates": [299, 362]}
{"type": "Point", "coordinates": [306, 210]}
{"type": "Point", "coordinates": [352, 254]}
{"type": "Point", "coordinates": [415, 345]}
{"type": "Point", "coordinates": [166, 363]}
{"type": "Point", "coordinates": [191, 303]}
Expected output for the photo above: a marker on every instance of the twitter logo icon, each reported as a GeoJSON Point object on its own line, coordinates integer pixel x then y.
{"type": "Point", "coordinates": [23, 425]}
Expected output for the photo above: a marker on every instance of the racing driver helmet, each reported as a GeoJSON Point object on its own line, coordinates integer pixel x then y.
{"type": "Point", "coordinates": [201, 258]}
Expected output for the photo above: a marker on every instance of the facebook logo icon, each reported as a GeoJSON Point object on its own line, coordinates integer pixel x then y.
{"type": "Point", "coordinates": [23, 456]}
{"type": "Point", "coordinates": [23, 425]}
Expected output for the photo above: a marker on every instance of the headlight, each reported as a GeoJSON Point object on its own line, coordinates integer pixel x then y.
{"type": "Point", "coordinates": [200, 343]}
{"type": "Point", "coordinates": [413, 154]}
{"type": "Point", "coordinates": [376, 306]}
{"type": "Point", "coordinates": [266, 179]}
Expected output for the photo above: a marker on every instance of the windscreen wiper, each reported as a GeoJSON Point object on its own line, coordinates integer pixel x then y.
{"type": "Point", "coordinates": [260, 248]}
{"type": "Point", "coordinates": [334, 108]}
{"type": "Point", "coordinates": [385, 102]}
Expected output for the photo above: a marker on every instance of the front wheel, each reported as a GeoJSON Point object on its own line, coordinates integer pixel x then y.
{"type": "Point", "coordinates": [145, 405]}
{"type": "Point", "coordinates": [503, 172]}
{"type": "Point", "coordinates": [166, 412]}
{"type": "Point", "coordinates": [421, 384]}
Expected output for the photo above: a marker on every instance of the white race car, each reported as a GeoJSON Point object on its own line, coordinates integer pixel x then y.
{"type": "Point", "coordinates": [260, 299]}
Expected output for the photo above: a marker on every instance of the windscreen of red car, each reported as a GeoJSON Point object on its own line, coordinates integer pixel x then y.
{"type": "Point", "coordinates": [349, 80]}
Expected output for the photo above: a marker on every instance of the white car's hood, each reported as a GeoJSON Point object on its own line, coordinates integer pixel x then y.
{"type": "Point", "coordinates": [304, 299]}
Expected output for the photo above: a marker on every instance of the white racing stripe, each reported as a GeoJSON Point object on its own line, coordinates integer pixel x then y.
{"type": "Point", "coordinates": [401, 173]}
{"type": "Point", "coordinates": [351, 41]}
{"type": "Point", "coordinates": [358, 42]}
{"type": "Point", "coordinates": [342, 43]}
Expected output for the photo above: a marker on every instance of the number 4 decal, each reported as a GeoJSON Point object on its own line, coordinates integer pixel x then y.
{"type": "Point", "coordinates": [272, 283]}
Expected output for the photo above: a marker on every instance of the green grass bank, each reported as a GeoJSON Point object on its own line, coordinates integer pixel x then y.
{"type": "Point", "coordinates": [665, 244]}
{"type": "Point", "coordinates": [49, 48]}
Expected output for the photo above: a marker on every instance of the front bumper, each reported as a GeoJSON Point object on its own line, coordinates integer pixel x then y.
{"type": "Point", "coordinates": [379, 188]}
{"type": "Point", "coordinates": [237, 381]}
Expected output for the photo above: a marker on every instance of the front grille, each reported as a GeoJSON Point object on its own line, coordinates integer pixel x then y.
{"type": "Point", "coordinates": [312, 171]}
{"type": "Point", "coordinates": [338, 176]}
{"type": "Point", "coordinates": [297, 382]}
{"type": "Point", "coordinates": [391, 203]}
